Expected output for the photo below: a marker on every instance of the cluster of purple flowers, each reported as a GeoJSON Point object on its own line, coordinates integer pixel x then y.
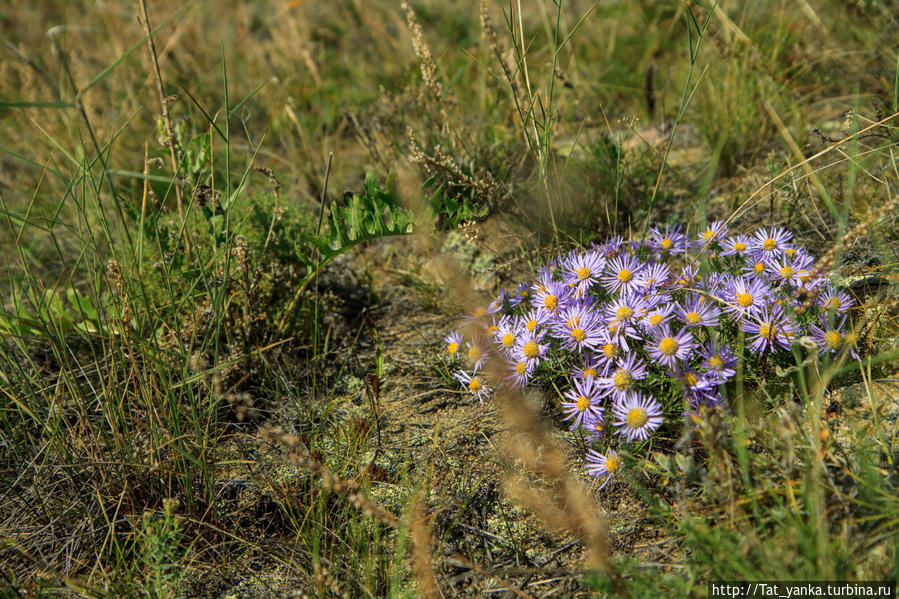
{"type": "Point", "coordinates": [623, 311]}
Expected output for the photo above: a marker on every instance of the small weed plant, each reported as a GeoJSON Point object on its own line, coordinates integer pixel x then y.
{"type": "Point", "coordinates": [648, 329]}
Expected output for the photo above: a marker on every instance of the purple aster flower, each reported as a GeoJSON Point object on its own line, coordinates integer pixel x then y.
{"type": "Point", "coordinates": [626, 309]}
{"type": "Point", "coordinates": [453, 343]}
{"type": "Point", "coordinates": [578, 327]}
{"type": "Point", "coordinates": [584, 397]}
{"type": "Point", "coordinates": [522, 293]}
{"type": "Point", "coordinates": [688, 277]}
{"type": "Point", "coordinates": [832, 339]}
{"type": "Point", "coordinates": [655, 277]}
{"type": "Point", "coordinates": [612, 246]}
{"type": "Point", "coordinates": [529, 348]}
{"type": "Point", "coordinates": [474, 383]}
{"type": "Point", "coordinates": [623, 378]}
{"type": "Point", "coordinates": [588, 365]}
{"type": "Point", "coordinates": [623, 274]}
{"type": "Point", "coordinates": [603, 466]}
{"type": "Point", "coordinates": [581, 270]}
{"type": "Point", "coordinates": [478, 352]}
{"type": "Point", "coordinates": [637, 416]}
{"type": "Point", "coordinates": [506, 334]}
{"type": "Point", "coordinates": [769, 327]}
{"type": "Point", "coordinates": [788, 271]}
{"type": "Point", "coordinates": [518, 374]}
{"type": "Point", "coordinates": [715, 232]}
{"type": "Point", "coordinates": [770, 242]}
{"type": "Point", "coordinates": [550, 296]}
{"type": "Point", "coordinates": [666, 347]}
{"type": "Point", "coordinates": [736, 245]}
{"type": "Point", "coordinates": [668, 241]}
{"type": "Point", "coordinates": [595, 425]}
{"type": "Point", "coordinates": [698, 311]}
{"type": "Point", "coordinates": [608, 351]}
{"type": "Point", "coordinates": [745, 296]}
{"type": "Point", "coordinates": [833, 300]}
{"type": "Point", "coordinates": [532, 321]}
{"type": "Point", "coordinates": [718, 360]}
{"type": "Point", "coordinates": [697, 385]}
{"type": "Point", "coordinates": [659, 315]}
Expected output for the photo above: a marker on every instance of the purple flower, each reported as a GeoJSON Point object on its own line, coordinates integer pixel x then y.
{"type": "Point", "coordinates": [506, 334]}
{"type": "Point", "coordinates": [666, 347]}
{"type": "Point", "coordinates": [714, 232]}
{"type": "Point", "coordinates": [831, 339]}
{"type": "Point", "coordinates": [770, 327]}
{"type": "Point", "coordinates": [833, 300]}
{"type": "Point", "coordinates": [637, 416]}
{"type": "Point", "coordinates": [736, 245]}
{"type": "Point", "coordinates": [698, 311]}
{"type": "Point", "coordinates": [518, 374]}
{"type": "Point", "coordinates": [718, 360]}
{"type": "Point", "coordinates": [745, 296]}
{"type": "Point", "coordinates": [529, 348]}
{"type": "Point", "coordinates": [474, 383]}
{"type": "Point", "coordinates": [549, 296]}
{"type": "Point", "coordinates": [770, 242]}
{"type": "Point", "coordinates": [453, 343]}
{"type": "Point", "coordinates": [788, 271]}
{"type": "Point", "coordinates": [603, 466]}
{"type": "Point", "coordinates": [595, 425]}
{"type": "Point", "coordinates": [623, 274]}
{"type": "Point", "coordinates": [659, 315]}
{"type": "Point", "coordinates": [669, 241]}
{"type": "Point", "coordinates": [623, 378]}
{"type": "Point", "coordinates": [583, 269]}
{"type": "Point", "coordinates": [584, 397]}
{"type": "Point", "coordinates": [578, 327]}
{"type": "Point", "coordinates": [478, 352]}
{"type": "Point", "coordinates": [655, 277]}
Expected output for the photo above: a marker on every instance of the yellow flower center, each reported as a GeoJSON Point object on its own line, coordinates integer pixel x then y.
{"type": "Point", "coordinates": [708, 234]}
{"type": "Point", "coordinates": [531, 325]}
{"type": "Point", "coordinates": [578, 334]}
{"type": "Point", "coordinates": [475, 353]}
{"type": "Point", "coordinates": [550, 301]}
{"type": "Point", "coordinates": [790, 252]}
{"type": "Point", "coordinates": [766, 330]}
{"type": "Point", "coordinates": [833, 339]}
{"type": "Point", "coordinates": [624, 312]}
{"type": "Point", "coordinates": [492, 328]}
{"type": "Point", "coordinates": [693, 317]}
{"type": "Point", "coordinates": [590, 371]}
{"type": "Point", "coordinates": [745, 299]}
{"type": "Point", "coordinates": [583, 273]}
{"type": "Point", "coordinates": [610, 349]}
{"type": "Point", "coordinates": [531, 349]}
{"type": "Point", "coordinates": [668, 346]}
{"type": "Point", "coordinates": [769, 244]}
{"type": "Point", "coordinates": [716, 362]}
{"type": "Point", "coordinates": [509, 339]}
{"type": "Point", "coordinates": [622, 380]}
{"type": "Point", "coordinates": [475, 384]}
{"type": "Point", "coordinates": [453, 348]}
{"type": "Point", "coordinates": [833, 303]}
{"type": "Point", "coordinates": [598, 426]}
{"type": "Point", "coordinates": [613, 463]}
{"type": "Point", "coordinates": [786, 272]}
{"type": "Point", "coordinates": [656, 319]}
{"type": "Point", "coordinates": [759, 267]}
{"type": "Point", "coordinates": [739, 247]}
{"type": "Point", "coordinates": [521, 367]}
{"type": "Point", "coordinates": [636, 418]}
{"type": "Point", "coordinates": [667, 244]}
{"type": "Point", "coordinates": [690, 379]}
{"type": "Point", "coordinates": [624, 275]}
{"type": "Point", "coordinates": [582, 403]}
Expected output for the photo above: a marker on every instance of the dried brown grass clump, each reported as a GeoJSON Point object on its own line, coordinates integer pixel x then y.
{"type": "Point", "coordinates": [561, 501]}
